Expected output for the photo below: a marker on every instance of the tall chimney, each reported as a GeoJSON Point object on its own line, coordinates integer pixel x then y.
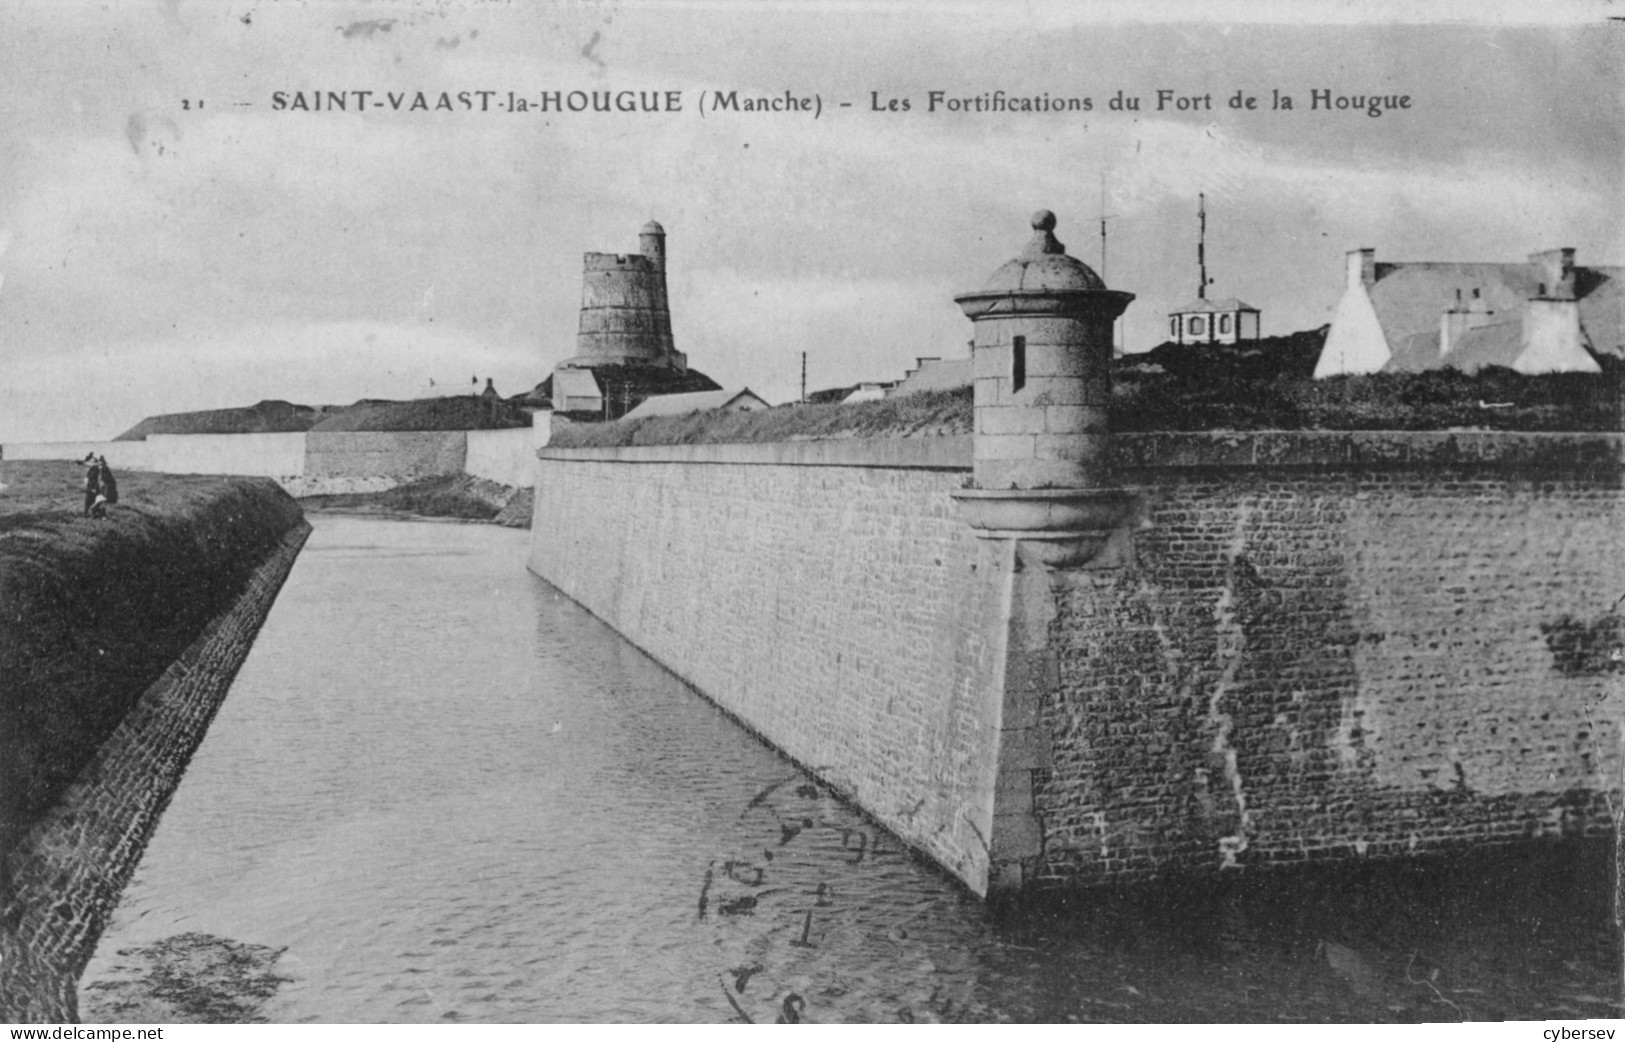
{"type": "Point", "coordinates": [1554, 271]}
{"type": "Point", "coordinates": [1362, 267]}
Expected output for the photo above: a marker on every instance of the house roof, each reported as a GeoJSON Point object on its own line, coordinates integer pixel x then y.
{"type": "Point", "coordinates": [1409, 298]}
{"type": "Point", "coordinates": [937, 374]}
{"type": "Point", "coordinates": [575, 383]}
{"type": "Point", "coordinates": [694, 401]}
{"type": "Point", "coordinates": [1498, 344]}
{"type": "Point", "coordinates": [1227, 304]}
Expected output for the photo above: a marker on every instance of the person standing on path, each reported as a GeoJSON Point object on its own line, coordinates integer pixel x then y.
{"type": "Point", "coordinates": [109, 487]}
{"type": "Point", "coordinates": [93, 481]}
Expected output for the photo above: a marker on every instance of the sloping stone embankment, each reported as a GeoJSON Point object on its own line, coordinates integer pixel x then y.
{"type": "Point", "coordinates": [95, 748]}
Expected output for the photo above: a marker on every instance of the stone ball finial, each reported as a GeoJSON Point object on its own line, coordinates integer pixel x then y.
{"type": "Point", "coordinates": [1042, 266]}
{"type": "Point", "coordinates": [1043, 242]}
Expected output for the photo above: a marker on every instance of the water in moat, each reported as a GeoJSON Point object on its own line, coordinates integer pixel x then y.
{"type": "Point", "coordinates": [444, 792]}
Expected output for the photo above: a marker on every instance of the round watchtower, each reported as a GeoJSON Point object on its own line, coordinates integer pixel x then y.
{"type": "Point", "coordinates": [625, 317]}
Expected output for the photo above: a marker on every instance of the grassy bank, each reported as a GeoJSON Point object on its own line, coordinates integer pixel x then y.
{"type": "Point", "coordinates": [461, 497]}
{"type": "Point", "coordinates": [929, 414]}
{"type": "Point", "coordinates": [95, 611]}
{"type": "Point", "coordinates": [1187, 389]}
{"type": "Point", "coordinates": [426, 414]}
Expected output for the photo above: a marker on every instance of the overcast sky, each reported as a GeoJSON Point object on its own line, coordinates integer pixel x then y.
{"type": "Point", "coordinates": [158, 256]}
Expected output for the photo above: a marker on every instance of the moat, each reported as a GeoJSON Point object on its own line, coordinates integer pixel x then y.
{"type": "Point", "coordinates": [444, 792]}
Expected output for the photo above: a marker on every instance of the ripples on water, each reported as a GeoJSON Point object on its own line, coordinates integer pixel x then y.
{"type": "Point", "coordinates": [453, 795]}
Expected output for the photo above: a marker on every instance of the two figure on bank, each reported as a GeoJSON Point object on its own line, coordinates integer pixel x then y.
{"type": "Point", "coordinates": [101, 490]}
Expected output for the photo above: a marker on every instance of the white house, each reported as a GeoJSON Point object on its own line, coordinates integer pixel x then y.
{"type": "Point", "coordinates": [1213, 322]}
{"type": "Point", "coordinates": [1542, 316]}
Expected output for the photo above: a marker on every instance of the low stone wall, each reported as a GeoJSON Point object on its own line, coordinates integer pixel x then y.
{"type": "Point", "coordinates": [1317, 645]}
{"type": "Point", "coordinates": [121, 455]}
{"type": "Point", "coordinates": [321, 462]}
{"type": "Point", "coordinates": [67, 872]}
{"type": "Point", "coordinates": [276, 455]}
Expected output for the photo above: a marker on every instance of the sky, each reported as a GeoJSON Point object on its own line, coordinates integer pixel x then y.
{"type": "Point", "coordinates": [171, 239]}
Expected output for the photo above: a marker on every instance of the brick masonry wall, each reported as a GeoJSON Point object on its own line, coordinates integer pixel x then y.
{"type": "Point", "coordinates": [845, 613]}
{"type": "Point", "coordinates": [1326, 662]}
{"type": "Point", "coordinates": [69, 870]}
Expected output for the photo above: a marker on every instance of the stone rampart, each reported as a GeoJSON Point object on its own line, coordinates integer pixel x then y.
{"type": "Point", "coordinates": [1301, 646]}
{"type": "Point", "coordinates": [320, 462]}
{"type": "Point", "coordinates": [121, 455]}
{"type": "Point", "coordinates": [1339, 646]}
{"type": "Point", "coordinates": [843, 612]}
{"type": "Point", "coordinates": [391, 456]}
{"type": "Point", "coordinates": [67, 871]}
{"type": "Point", "coordinates": [273, 455]}
{"type": "Point", "coordinates": [505, 457]}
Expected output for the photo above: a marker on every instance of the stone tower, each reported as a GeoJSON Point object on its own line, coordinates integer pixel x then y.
{"type": "Point", "coordinates": [625, 318]}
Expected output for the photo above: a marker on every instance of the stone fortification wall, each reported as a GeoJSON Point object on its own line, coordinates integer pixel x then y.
{"type": "Point", "coordinates": [121, 455]}
{"type": "Point", "coordinates": [1316, 645]}
{"type": "Point", "coordinates": [1339, 646]}
{"type": "Point", "coordinates": [318, 462]}
{"type": "Point", "coordinates": [277, 455]}
{"type": "Point", "coordinates": [506, 457]}
{"type": "Point", "coordinates": [843, 612]}
{"type": "Point", "coordinates": [65, 873]}
{"type": "Point", "coordinates": [390, 457]}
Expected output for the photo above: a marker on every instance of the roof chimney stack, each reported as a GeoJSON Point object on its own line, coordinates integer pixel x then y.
{"type": "Point", "coordinates": [1554, 271]}
{"type": "Point", "coordinates": [1362, 267]}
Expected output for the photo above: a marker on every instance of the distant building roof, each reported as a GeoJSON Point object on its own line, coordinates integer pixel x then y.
{"type": "Point", "coordinates": [1408, 297]}
{"type": "Point", "coordinates": [697, 401]}
{"type": "Point", "coordinates": [871, 391]}
{"type": "Point", "coordinates": [1541, 315]}
{"type": "Point", "coordinates": [1227, 304]}
{"type": "Point", "coordinates": [936, 374]}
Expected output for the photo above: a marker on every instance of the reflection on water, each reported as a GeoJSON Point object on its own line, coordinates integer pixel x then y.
{"type": "Point", "coordinates": [452, 795]}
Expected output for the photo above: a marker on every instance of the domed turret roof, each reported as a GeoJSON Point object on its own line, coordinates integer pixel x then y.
{"type": "Point", "coordinates": [652, 228]}
{"type": "Point", "coordinates": [1043, 265]}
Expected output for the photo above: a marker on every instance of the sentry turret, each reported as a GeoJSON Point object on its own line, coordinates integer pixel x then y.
{"type": "Point", "coordinates": [1041, 363]}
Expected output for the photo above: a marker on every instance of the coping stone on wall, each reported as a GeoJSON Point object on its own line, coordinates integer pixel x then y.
{"type": "Point", "coordinates": [943, 453]}
{"type": "Point", "coordinates": [1397, 450]}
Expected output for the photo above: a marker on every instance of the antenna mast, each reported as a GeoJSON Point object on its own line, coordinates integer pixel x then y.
{"type": "Point", "coordinates": [1201, 245]}
{"type": "Point", "coordinates": [1104, 217]}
